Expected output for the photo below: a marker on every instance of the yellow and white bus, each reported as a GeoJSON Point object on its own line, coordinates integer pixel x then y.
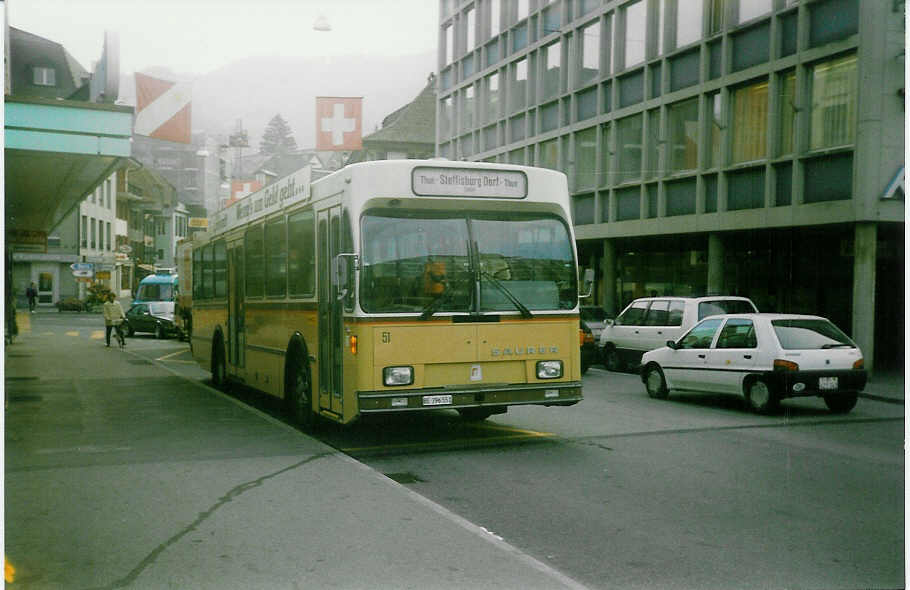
{"type": "Point", "coordinates": [394, 286]}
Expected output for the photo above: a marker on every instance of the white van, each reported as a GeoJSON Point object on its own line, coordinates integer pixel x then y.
{"type": "Point", "coordinates": [648, 322]}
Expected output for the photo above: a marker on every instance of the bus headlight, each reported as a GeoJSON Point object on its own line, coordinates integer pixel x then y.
{"type": "Point", "coordinates": [549, 369]}
{"type": "Point", "coordinates": [398, 375]}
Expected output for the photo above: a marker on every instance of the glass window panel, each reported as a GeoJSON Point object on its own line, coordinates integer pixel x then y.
{"type": "Point", "coordinates": [583, 209]}
{"type": "Point", "coordinates": [589, 5]}
{"type": "Point", "coordinates": [220, 269]}
{"type": "Point", "coordinates": [492, 53]}
{"type": "Point", "coordinates": [652, 145]}
{"type": "Point", "coordinates": [208, 272]}
{"type": "Point", "coordinates": [683, 119]}
{"type": "Point", "coordinates": [701, 335]}
{"type": "Point", "coordinates": [490, 138]}
{"type": "Point", "coordinates": [197, 272]}
{"type": "Point", "coordinates": [521, 9]}
{"type": "Point", "coordinates": [832, 21]}
{"type": "Point", "coordinates": [467, 66]}
{"type": "Point", "coordinates": [711, 193]}
{"type": "Point", "coordinates": [255, 271]}
{"type": "Point", "coordinates": [495, 8]}
{"type": "Point", "coordinates": [276, 258]}
{"type": "Point", "coordinates": [749, 9]}
{"type": "Point", "coordinates": [681, 197]}
{"type": "Point", "coordinates": [788, 38]}
{"type": "Point", "coordinates": [684, 70]}
{"type": "Point", "coordinates": [551, 74]}
{"type": "Point", "coordinates": [716, 19]}
{"type": "Point", "coordinates": [470, 37]}
{"type": "Point", "coordinates": [492, 88]}
{"type": "Point", "coordinates": [629, 134]}
{"type": "Point", "coordinates": [632, 89]}
{"type": "Point", "coordinates": [651, 195]}
{"type": "Point", "coordinates": [450, 44]}
{"type": "Point", "coordinates": [517, 157]}
{"type": "Point", "coordinates": [445, 117]}
{"type": "Point", "coordinates": [549, 154]}
{"type": "Point", "coordinates": [549, 117]}
{"type": "Point", "coordinates": [746, 189]}
{"type": "Point", "coordinates": [834, 92]}
{"type": "Point", "coordinates": [301, 254]}
{"type": "Point", "coordinates": [551, 19]}
{"type": "Point", "coordinates": [587, 103]}
{"type": "Point", "coordinates": [606, 149]}
{"type": "Point", "coordinates": [519, 37]}
{"type": "Point", "coordinates": [688, 21]}
{"type": "Point", "coordinates": [589, 47]}
{"type": "Point", "coordinates": [787, 116]}
{"type": "Point", "coordinates": [517, 128]}
{"type": "Point", "coordinates": [829, 178]}
{"type": "Point", "coordinates": [750, 118]}
{"type": "Point", "coordinates": [628, 204]}
{"type": "Point", "coordinates": [518, 84]}
{"type": "Point", "coordinates": [467, 108]}
{"type": "Point", "coordinates": [585, 157]}
{"type": "Point", "coordinates": [636, 24]}
{"type": "Point", "coordinates": [784, 181]}
{"type": "Point", "coordinates": [751, 47]}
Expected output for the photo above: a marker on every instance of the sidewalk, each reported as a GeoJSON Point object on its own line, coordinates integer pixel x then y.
{"type": "Point", "coordinates": [119, 473]}
{"type": "Point", "coordinates": [886, 385]}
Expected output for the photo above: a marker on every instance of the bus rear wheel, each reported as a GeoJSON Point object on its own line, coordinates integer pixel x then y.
{"type": "Point", "coordinates": [298, 397]}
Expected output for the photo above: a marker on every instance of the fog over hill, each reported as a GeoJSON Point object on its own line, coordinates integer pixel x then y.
{"type": "Point", "coordinates": [256, 89]}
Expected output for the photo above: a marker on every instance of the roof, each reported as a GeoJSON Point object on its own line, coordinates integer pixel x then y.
{"type": "Point", "coordinates": [28, 51]}
{"type": "Point", "coordinates": [415, 122]}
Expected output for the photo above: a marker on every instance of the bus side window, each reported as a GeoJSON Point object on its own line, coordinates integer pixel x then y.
{"type": "Point", "coordinates": [254, 263]}
{"type": "Point", "coordinates": [208, 268]}
{"type": "Point", "coordinates": [276, 257]}
{"type": "Point", "coordinates": [301, 263]}
{"type": "Point", "coordinates": [197, 273]}
{"type": "Point", "coordinates": [220, 269]}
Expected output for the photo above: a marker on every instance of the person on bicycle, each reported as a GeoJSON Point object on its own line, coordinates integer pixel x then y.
{"type": "Point", "coordinates": [113, 317]}
{"type": "Point", "coordinates": [31, 293]}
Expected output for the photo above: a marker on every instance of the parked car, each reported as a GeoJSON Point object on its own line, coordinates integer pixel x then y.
{"type": "Point", "coordinates": [156, 317]}
{"type": "Point", "coordinates": [595, 318]}
{"type": "Point", "coordinates": [588, 347]}
{"type": "Point", "coordinates": [648, 322]}
{"type": "Point", "coordinates": [764, 357]}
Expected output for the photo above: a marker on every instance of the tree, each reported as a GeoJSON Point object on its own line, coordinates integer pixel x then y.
{"type": "Point", "coordinates": [277, 137]}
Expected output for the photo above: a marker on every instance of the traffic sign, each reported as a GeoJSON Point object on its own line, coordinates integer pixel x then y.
{"type": "Point", "coordinates": [83, 266]}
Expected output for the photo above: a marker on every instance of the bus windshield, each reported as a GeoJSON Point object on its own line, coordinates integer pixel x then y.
{"type": "Point", "coordinates": [459, 262]}
{"type": "Point", "coordinates": [155, 292]}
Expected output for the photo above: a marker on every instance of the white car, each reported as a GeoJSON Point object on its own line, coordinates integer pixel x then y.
{"type": "Point", "coordinates": [765, 357]}
{"type": "Point", "coordinates": [648, 322]}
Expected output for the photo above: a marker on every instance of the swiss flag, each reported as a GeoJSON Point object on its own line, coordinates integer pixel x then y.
{"type": "Point", "coordinates": [338, 123]}
{"type": "Point", "coordinates": [163, 109]}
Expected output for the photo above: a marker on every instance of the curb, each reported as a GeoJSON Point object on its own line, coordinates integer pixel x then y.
{"type": "Point", "coordinates": [883, 398]}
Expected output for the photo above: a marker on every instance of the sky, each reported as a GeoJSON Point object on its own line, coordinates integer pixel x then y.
{"type": "Point", "coordinates": [194, 37]}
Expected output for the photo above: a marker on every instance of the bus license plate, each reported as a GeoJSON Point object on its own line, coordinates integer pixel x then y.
{"type": "Point", "coordinates": [437, 400]}
{"type": "Point", "coordinates": [827, 383]}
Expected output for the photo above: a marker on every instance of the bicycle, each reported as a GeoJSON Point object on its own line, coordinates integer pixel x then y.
{"type": "Point", "coordinates": [118, 334]}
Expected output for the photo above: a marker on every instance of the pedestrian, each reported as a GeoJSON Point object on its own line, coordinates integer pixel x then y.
{"type": "Point", "coordinates": [31, 293]}
{"type": "Point", "coordinates": [113, 317]}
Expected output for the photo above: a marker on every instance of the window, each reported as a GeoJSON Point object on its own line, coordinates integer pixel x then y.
{"type": "Point", "coordinates": [589, 48]}
{"type": "Point", "coordinates": [551, 74]}
{"type": "Point", "coordinates": [683, 117]}
{"type": "Point", "coordinates": [628, 204]}
{"type": "Point", "coordinates": [495, 27]}
{"type": "Point", "coordinates": [714, 150]}
{"type": "Point", "coordinates": [208, 272]}
{"type": "Point", "coordinates": [633, 315]}
{"type": "Point", "coordinates": [634, 37]}
{"type": "Point", "coordinates": [628, 136]}
{"type": "Point", "coordinates": [737, 334]}
{"type": "Point", "coordinates": [749, 9]}
{"type": "Point", "coordinates": [159, 254]}
{"type": "Point", "coordinates": [492, 91]}
{"type": "Point", "coordinates": [658, 313]}
{"type": "Point", "coordinates": [276, 258]}
{"type": "Point", "coordinates": [551, 19]}
{"type": "Point", "coordinates": [445, 117]}
{"type": "Point", "coordinates": [255, 273]}
{"type": "Point", "coordinates": [467, 108]}
{"type": "Point", "coordinates": [701, 335]}
{"type": "Point", "coordinates": [521, 9]}
{"type": "Point", "coordinates": [549, 155]}
{"type": "Point", "coordinates": [518, 83]}
{"type": "Point", "coordinates": [84, 240]}
{"type": "Point", "coordinates": [675, 314]}
{"type": "Point", "coordinates": [197, 273]}
{"type": "Point", "coordinates": [107, 231]}
{"type": "Point", "coordinates": [688, 21]}
{"type": "Point", "coordinates": [750, 122]}
{"type": "Point", "coordinates": [787, 113]}
{"type": "Point", "coordinates": [470, 37]}
{"type": "Point", "coordinates": [107, 193]}
{"type": "Point", "coordinates": [652, 166]}
{"type": "Point", "coordinates": [450, 44]}
{"type": "Point", "coordinates": [549, 116]}
{"type": "Point", "coordinates": [94, 228]}
{"type": "Point", "coordinates": [301, 258]}
{"type": "Point", "coordinates": [585, 157]}
{"type": "Point", "coordinates": [834, 92]}
{"type": "Point", "coordinates": [44, 76]}
{"type": "Point", "coordinates": [716, 18]}
{"type": "Point", "coordinates": [606, 149]}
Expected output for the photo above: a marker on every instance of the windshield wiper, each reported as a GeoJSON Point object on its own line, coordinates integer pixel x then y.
{"type": "Point", "coordinates": [433, 306]}
{"type": "Point", "coordinates": [525, 312]}
{"type": "Point", "coordinates": [838, 345]}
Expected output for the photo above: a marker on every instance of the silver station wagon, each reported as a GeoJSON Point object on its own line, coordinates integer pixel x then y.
{"type": "Point", "coordinates": [763, 356]}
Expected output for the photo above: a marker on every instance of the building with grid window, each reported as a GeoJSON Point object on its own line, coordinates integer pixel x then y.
{"type": "Point", "coordinates": [750, 147]}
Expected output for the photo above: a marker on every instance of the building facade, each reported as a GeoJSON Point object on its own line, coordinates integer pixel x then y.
{"type": "Point", "coordinates": [752, 147]}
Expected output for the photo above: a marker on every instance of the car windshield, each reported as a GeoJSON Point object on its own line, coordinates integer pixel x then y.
{"type": "Point", "coordinates": [719, 306]}
{"type": "Point", "coordinates": [161, 308]}
{"type": "Point", "coordinates": [809, 334]}
{"type": "Point", "coordinates": [427, 262]}
{"type": "Point", "coordinates": [155, 292]}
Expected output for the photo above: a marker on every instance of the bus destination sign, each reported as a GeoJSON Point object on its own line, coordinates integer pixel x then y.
{"type": "Point", "coordinates": [291, 189]}
{"type": "Point", "coordinates": [427, 181]}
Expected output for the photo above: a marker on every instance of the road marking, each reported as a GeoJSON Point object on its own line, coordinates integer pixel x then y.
{"type": "Point", "coordinates": [161, 358]}
{"type": "Point", "coordinates": [492, 426]}
{"type": "Point", "coordinates": [97, 335]}
{"type": "Point", "coordinates": [73, 333]}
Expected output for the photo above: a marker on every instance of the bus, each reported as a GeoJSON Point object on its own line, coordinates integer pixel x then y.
{"type": "Point", "coordinates": [162, 285]}
{"type": "Point", "coordinates": [394, 286]}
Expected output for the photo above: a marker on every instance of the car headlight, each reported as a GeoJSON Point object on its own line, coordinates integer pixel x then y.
{"type": "Point", "coordinates": [549, 369]}
{"type": "Point", "coordinates": [398, 375]}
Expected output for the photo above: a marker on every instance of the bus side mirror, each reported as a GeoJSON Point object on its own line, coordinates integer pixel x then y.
{"type": "Point", "coordinates": [587, 284]}
{"type": "Point", "coordinates": [343, 273]}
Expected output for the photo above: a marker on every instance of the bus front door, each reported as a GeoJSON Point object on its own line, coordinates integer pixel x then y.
{"type": "Point", "coordinates": [236, 338]}
{"type": "Point", "coordinates": [331, 317]}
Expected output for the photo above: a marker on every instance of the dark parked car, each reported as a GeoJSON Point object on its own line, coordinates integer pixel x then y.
{"type": "Point", "coordinates": [155, 317]}
{"type": "Point", "coordinates": [589, 353]}
{"type": "Point", "coordinates": [595, 318]}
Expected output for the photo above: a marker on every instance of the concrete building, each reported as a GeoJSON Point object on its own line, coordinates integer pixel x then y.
{"type": "Point", "coordinates": [753, 147]}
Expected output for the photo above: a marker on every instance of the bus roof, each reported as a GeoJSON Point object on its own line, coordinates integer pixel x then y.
{"type": "Point", "coordinates": [435, 180]}
{"type": "Point", "coordinates": [160, 278]}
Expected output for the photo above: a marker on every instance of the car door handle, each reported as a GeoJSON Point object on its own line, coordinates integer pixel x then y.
{"type": "Point", "coordinates": [747, 356]}
{"type": "Point", "coordinates": [660, 332]}
{"type": "Point", "coordinates": [701, 356]}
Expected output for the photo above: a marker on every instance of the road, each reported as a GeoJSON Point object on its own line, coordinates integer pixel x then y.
{"type": "Point", "coordinates": [623, 491]}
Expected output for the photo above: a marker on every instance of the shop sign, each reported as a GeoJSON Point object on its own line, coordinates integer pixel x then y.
{"type": "Point", "coordinates": [23, 240]}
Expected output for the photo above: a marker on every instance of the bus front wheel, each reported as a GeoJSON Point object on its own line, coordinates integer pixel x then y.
{"type": "Point", "coordinates": [299, 395]}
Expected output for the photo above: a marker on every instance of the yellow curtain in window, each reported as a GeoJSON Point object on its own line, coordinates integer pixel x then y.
{"type": "Point", "coordinates": [750, 123]}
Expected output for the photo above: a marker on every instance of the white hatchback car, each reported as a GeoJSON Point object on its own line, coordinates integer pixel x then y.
{"type": "Point", "coordinates": [648, 322]}
{"type": "Point", "coordinates": [765, 357]}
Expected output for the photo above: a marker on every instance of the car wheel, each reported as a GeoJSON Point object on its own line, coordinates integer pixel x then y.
{"type": "Point", "coordinates": [612, 361]}
{"type": "Point", "coordinates": [655, 383]}
{"type": "Point", "coordinates": [159, 332]}
{"type": "Point", "coordinates": [298, 395]}
{"type": "Point", "coordinates": [761, 397]}
{"type": "Point", "coordinates": [219, 369]}
{"type": "Point", "coordinates": [841, 403]}
{"type": "Point", "coordinates": [475, 414]}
